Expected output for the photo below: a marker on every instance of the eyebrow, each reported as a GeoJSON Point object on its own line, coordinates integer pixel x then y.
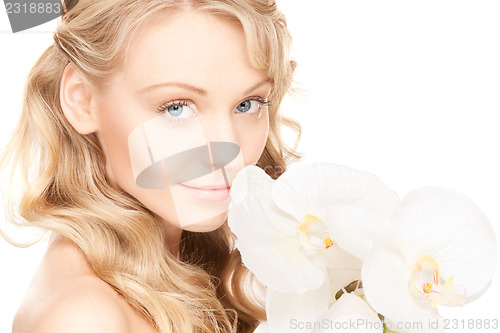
{"type": "Point", "coordinates": [173, 84]}
{"type": "Point", "coordinates": [197, 90]}
{"type": "Point", "coordinates": [258, 85]}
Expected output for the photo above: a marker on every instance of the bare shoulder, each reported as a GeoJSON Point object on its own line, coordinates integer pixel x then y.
{"type": "Point", "coordinates": [86, 309]}
{"type": "Point", "coordinates": [65, 297]}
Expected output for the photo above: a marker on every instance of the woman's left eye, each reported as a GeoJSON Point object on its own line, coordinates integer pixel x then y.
{"type": "Point", "coordinates": [250, 106]}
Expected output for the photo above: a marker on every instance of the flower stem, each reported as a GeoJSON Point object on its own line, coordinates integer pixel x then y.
{"type": "Point", "coordinates": [386, 330]}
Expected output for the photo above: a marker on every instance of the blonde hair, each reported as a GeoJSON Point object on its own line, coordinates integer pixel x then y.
{"type": "Point", "coordinates": [65, 189]}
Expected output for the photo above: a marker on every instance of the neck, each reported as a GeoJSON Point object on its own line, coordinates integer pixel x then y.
{"type": "Point", "coordinates": [172, 237]}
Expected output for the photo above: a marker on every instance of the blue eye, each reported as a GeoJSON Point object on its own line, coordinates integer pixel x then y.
{"type": "Point", "coordinates": [244, 106]}
{"type": "Point", "coordinates": [175, 110]}
{"type": "Point", "coordinates": [251, 106]}
{"type": "Point", "coordinates": [178, 110]}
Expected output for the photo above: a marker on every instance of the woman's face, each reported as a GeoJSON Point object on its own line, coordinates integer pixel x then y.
{"type": "Point", "coordinates": [188, 111]}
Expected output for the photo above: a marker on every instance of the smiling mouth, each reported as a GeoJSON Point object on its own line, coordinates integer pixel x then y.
{"type": "Point", "coordinates": [194, 163]}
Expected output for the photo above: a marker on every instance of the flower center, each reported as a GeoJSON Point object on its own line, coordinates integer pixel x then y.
{"type": "Point", "coordinates": [426, 282]}
{"type": "Point", "coordinates": [314, 235]}
{"type": "Point", "coordinates": [328, 242]}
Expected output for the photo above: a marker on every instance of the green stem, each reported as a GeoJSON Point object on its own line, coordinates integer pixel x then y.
{"type": "Point", "coordinates": [386, 330]}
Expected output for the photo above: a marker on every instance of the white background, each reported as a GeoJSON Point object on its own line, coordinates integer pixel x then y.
{"type": "Point", "coordinates": [407, 90]}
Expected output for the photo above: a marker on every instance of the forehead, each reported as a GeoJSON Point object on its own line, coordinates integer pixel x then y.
{"type": "Point", "coordinates": [190, 46]}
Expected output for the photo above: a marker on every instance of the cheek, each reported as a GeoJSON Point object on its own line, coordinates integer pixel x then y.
{"type": "Point", "coordinates": [114, 136]}
{"type": "Point", "coordinates": [114, 141]}
{"type": "Point", "coordinates": [253, 140]}
{"type": "Point", "coordinates": [115, 125]}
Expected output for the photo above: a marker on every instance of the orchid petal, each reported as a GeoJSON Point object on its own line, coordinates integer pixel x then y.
{"type": "Point", "coordinates": [350, 314]}
{"type": "Point", "coordinates": [355, 229]}
{"type": "Point", "coordinates": [275, 258]}
{"type": "Point", "coordinates": [343, 268]}
{"type": "Point", "coordinates": [340, 278]}
{"type": "Point", "coordinates": [337, 257]}
{"type": "Point", "coordinates": [386, 283]}
{"type": "Point", "coordinates": [309, 188]}
{"type": "Point", "coordinates": [285, 309]}
{"type": "Point", "coordinates": [449, 227]}
{"type": "Point", "coordinates": [254, 181]}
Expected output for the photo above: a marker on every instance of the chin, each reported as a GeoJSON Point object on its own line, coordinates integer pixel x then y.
{"type": "Point", "coordinates": [207, 225]}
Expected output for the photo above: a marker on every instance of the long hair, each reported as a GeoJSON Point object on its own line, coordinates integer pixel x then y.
{"type": "Point", "coordinates": [64, 188]}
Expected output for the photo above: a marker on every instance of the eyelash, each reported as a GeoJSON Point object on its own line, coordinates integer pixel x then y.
{"type": "Point", "coordinates": [263, 102]}
{"type": "Point", "coordinates": [164, 107]}
{"type": "Point", "coordinates": [172, 103]}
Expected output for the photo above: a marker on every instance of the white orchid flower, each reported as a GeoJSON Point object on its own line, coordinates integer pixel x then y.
{"type": "Point", "coordinates": [440, 250]}
{"type": "Point", "coordinates": [286, 311]}
{"type": "Point", "coordinates": [283, 237]}
{"type": "Point", "coordinates": [348, 315]}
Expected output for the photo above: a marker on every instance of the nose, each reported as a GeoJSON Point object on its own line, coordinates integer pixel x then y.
{"type": "Point", "coordinates": [221, 137]}
{"type": "Point", "coordinates": [194, 163]}
{"type": "Point", "coordinates": [218, 127]}
{"type": "Point", "coordinates": [222, 153]}
{"type": "Point", "coordinates": [210, 151]}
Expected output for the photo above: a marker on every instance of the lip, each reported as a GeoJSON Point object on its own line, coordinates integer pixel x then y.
{"type": "Point", "coordinates": [209, 193]}
{"type": "Point", "coordinates": [209, 187]}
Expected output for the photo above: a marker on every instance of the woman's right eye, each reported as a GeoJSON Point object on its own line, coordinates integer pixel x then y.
{"type": "Point", "coordinates": [178, 109]}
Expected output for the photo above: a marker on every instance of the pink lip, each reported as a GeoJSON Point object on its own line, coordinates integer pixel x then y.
{"type": "Point", "coordinates": [209, 193]}
{"type": "Point", "coordinates": [209, 187]}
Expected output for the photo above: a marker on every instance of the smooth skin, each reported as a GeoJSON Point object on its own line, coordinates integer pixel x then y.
{"type": "Point", "coordinates": [191, 48]}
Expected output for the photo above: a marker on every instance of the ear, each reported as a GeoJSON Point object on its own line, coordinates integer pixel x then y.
{"type": "Point", "coordinates": [76, 101]}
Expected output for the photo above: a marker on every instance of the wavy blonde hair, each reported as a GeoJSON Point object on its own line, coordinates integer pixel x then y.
{"type": "Point", "coordinates": [65, 189]}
